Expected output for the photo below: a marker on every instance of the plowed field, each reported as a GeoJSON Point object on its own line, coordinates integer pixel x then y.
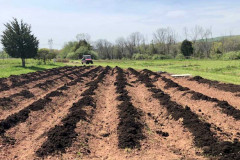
{"type": "Point", "coordinates": [111, 113]}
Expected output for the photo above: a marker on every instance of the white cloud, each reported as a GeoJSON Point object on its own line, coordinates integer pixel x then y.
{"type": "Point", "coordinates": [176, 14]}
{"type": "Point", "coordinates": [112, 19]}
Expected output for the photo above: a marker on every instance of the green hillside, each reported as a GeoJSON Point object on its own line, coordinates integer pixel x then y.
{"type": "Point", "coordinates": [234, 37]}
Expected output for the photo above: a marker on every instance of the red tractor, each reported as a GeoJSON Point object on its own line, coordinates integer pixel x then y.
{"type": "Point", "coordinates": [87, 59]}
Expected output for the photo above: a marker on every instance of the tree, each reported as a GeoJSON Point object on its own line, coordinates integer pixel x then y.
{"type": "Point", "coordinates": [121, 49]}
{"type": "Point", "coordinates": [83, 36]}
{"type": "Point", "coordinates": [68, 48]}
{"type": "Point", "coordinates": [186, 48]}
{"type": "Point", "coordinates": [3, 55]}
{"type": "Point", "coordinates": [82, 50]}
{"type": "Point", "coordinates": [44, 54]}
{"type": "Point", "coordinates": [18, 41]}
{"type": "Point", "coordinates": [104, 48]}
{"type": "Point", "coordinates": [164, 38]}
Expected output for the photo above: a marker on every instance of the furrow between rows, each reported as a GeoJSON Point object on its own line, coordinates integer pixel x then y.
{"type": "Point", "coordinates": [203, 136]}
{"type": "Point", "coordinates": [62, 136]}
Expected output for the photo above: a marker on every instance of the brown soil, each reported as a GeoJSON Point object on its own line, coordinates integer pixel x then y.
{"type": "Point", "coordinates": [18, 103]}
{"type": "Point", "coordinates": [31, 134]}
{"type": "Point", "coordinates": [221, 86]}
{"type": "Point", "coordinates": [166, 138]}
{"type": "Point", "coordinates": [210, 91]}
{"type": "Point", "coordinates": [103, 113]}
{"type": "Point", "coordinates": [225, 126]}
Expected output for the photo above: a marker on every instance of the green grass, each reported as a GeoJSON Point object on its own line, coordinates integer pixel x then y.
{"type": "Point", "coordinates": [14, 66]}
{"type": "Point", "coordinates": [225, 71]}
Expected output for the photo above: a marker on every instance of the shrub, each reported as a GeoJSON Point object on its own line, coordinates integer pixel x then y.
{"type": "Point", "coordinates": [180, 56]}
{"type": "Point", "coordinates": [81, 51]}
{"type": "Point", "coordinates": [215, 56]}
{"type": "Point", "coordinates": [138, 56]}
{"type": "Point", "coordinates": [93, 54]}
{"type": "Point", "coordinates": [72, 55]}
{"type": "Point", "coordinates": [62, 60]}
{"type": "Point", "coordinates": [160, 56]}
{"type": "Point", "coordinates": [231, 55]}
{"type": "Point", "coordinates": [44, 55]}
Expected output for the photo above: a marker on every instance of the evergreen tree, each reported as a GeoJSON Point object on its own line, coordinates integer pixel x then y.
{"type": "Point", "coordinates": [18, 41]}
{"type": "Point", "coordinates": [187, 48]}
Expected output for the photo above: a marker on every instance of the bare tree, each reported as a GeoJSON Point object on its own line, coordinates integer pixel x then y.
{"type": "Point", "coordinates": [164, 37]}
{"type": "Point", "coordinates": [205, 36]}
{"type": "Point", "coordinates": [120, 44]}
{"type": "Point", "coordinates": [185, 32]}
{"type": "Point", "coordinates": [83, 36]}
{"type": "Point", "coordinates": [170, 39]}
{"type": "Point", "coordinates": [201, 41]}
{"type": "Point", "coordinates": [133, 43]}
{"type": "Point", "coordinates": [196, 32]}
{"type": "Point", "coordinates": [104, 48]}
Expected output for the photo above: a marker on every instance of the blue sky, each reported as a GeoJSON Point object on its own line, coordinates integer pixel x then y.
{"type": "Point", "coordinates": [62, 20]}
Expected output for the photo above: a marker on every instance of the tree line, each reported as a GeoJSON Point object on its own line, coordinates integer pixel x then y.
{"type": "Point", "coordinates": [19, 42]}
{"type": "Point", "coordinates": [198, 43]}
{"type": "Point", "coordinates": [165, 44]}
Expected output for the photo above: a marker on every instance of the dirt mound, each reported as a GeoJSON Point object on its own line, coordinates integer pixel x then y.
{"type": "Point", "coordinates": [4, 86]}
{"type": "Point", "coordinates": [203, 136]}
{"type": "Point", "coordinates": [224, 105]}
{"type": "Point", "coordinates": [221, 86]}
{"type": "Point", "coordinates": [61, 137]}
{"type": "Point", "coordinates": [54, 94]}
{"type": "Point", "coordinates": [6, 102]}
{"type": "Point", "coordinates": [22, 115]}
{"type": "Point", "coordinates": [200, 96]}
{"type": "Point", "coordinates": [73, 115]}
{"type": "Point", "coordinates": [130, 126]}
{"type": "Point", "coordinates": [24, 93]}
{"type": "Point", "coordinates": [45, 84]}
{"type": "Point", "coordinates": [171, 84]}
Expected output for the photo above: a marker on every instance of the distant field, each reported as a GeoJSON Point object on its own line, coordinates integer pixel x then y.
{"type": "Point", "coordinates": [225, 71]}
{"type": "Point", "coordinates": [13, 66]}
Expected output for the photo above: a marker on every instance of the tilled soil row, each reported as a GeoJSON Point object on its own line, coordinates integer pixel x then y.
{"type": "Point", "coordinates": [5, 102]}
{"type": "Point", "coordinates": [16, 81]}
{"type": "Point", "coordinates": [48, 83]}
{"type": "Point", "coordinates": [102, 138]}
{"type": "Point", "coordinates": [224, 105]}
{"type": "Point", "coordinates": [225, 127]}
{"type": "Point", "coordinates": [62, 136]}
{"type": "Point", "coordinates": [23, 114]}
{"type": "Point", "coordinates": [17, 104]}
{"type": "Point", "coordinates": [31, 84]}
{"type": "Point", "coordinates": [221, 86]}
{"type": "Point", "coordinates": [31, 134]}
{"type": "Point", "coordinates": [165, 137]}
{"type": "Point", "coordinates": [203, 136]}
{"type": "Point", "coordinates": [130, 125]}
{"type": "Point", "coordinates": [205, 89]}
{"type": "Point", "coordinates": [8, 102]}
